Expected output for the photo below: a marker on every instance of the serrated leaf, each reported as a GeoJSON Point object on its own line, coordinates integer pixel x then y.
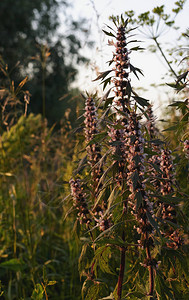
{"type": "Point", "coordinates": [102, 257]}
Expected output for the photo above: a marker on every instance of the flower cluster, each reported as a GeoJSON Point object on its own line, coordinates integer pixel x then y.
{"type": "Point", "coordinates": [150, 125]}
{"type": "Point", "coordinates": [154, 160]}
{"type": "Point", "coordinates": [93, 150]}
{"type": "Point", "coordinates": [166, 166]}
{"type": "Point", "coordinates": [139, 199]}
{"type": "Point", "coordinates": [168, 212]}
{"type": "Point", "coordinates": [186, 148]}
{"type": "Point", "coordinates": [118, 151]}
{"type": "Point", "coordinates": [80, 201]}
{"type": "Point", "coordinates": [122, 68]}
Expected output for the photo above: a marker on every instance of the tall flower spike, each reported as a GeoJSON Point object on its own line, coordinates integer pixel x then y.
{"type": "Point", "coordinates": [93, 150]}
{"type": "Point", "coordinates": [80, 201]}
{"type": "Point", "coordinates": [122, 68]}
{"type": "Point", "coordinates": [168, 212]}
{"type": "Point", "coordinates": [94, 156]}
{"type": "Point", "coordinates": [121, 102]}
{"type": "Point", "coordinates": [155, 159]}
{"type": "Point", "coordinates": [186, 148]}
{"type": "Point", "coordinates": [150, 125]}
{"type": "Point", "coordinates": [139, 200]}
{"type": "Point", "coordinates": [118, 150]}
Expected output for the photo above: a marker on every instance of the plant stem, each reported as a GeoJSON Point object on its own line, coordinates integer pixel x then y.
{"type": "Point", "coordinates": [43, 90]}
{"type": "Point", "coordinates": [165, 58]}
{"type": "Point", "coordinates": [122, 269]}
{"type": "Point", "coordinates": [150, 268]}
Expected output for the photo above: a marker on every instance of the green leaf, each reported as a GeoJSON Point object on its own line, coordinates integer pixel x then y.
{"type": "Point", "coordinates": [13, 264]}
{"type": "Point", "coordinates": [52, 282]}
{"type": "Point", "coordinates": [102, 75]}
{"type": "Point", "coordinates": [97, 137]}
{"type": "Point", "coordinates": [110, 297]}
{"type": "Point", "coordinates": [136, 294]}
{"type": "Point", "coordinates": [136, 48]}
{"type": "Point", "coordinates": [135, 70]}
{"type": "Point", "coordinates": [106, 82]}
{"type": "Point", "coordinates": [162, 287]}
{"type": "Point", "coordinates": [96, 291]}
{"type": "Point", "coordinates": [102, 258]}
{"type": "Point", "coordinates": [81, 165]}
{"type": "Point", "coordinates": [153, 223]}
{"type": "Point", "coordinates": [37, 292]}
{"type": "Point", "coordinates": [135, 178]}
{"type": "Point", "coordinates": [137, 159]}
{"type": "Point", "coordinates": [112, 197]}
{"type": "Point", "coordinates": [141, 101]}
{"type": "Point", "coordinates": [157, 142]}
{"type": "Point", "coordinates": [138, 197]}
{"type": "Point", "coordinates": [171, 128]}
{"type": "Point", "coordinates": [108, 33]}
{"type": "Point", "coordinates": [156, 167]}
{"type": "Point", "coordinates": [85, 258]}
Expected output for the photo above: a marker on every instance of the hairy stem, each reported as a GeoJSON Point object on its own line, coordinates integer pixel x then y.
{"type": "Point", "coordinates": [122, 269]}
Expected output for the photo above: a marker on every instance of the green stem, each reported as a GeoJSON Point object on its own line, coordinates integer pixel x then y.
{"type": "Point", "coordinates": [122, 270]}
{"type": "Point", "coordinates": [165, 58]}
{"type": "Point", "coordinates": [150, 269]}
{"type": "Point", "coordinates": [43, 90]}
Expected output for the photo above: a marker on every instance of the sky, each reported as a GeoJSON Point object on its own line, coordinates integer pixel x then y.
{"type": "Point", "coordinates": [97, 13]}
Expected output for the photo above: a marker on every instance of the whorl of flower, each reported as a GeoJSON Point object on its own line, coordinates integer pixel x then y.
{"type": "Point", "coordinates": [103, 222]}
{"type": "Point", "coordinates": [150, 125]}
{"type": "Point", "coordinates": [138, 198]}
{"type": "Point", "coordinates": [168, 212]}
{"type": "Point", "coordinates": [166, 166]}
{"type": "Point", "coordinates": [93, 150]}
{"type": "Point", "coordinates": [80, 201]}
{"type": "Point", "coordinates": [155, 159]}
{"type": "Point", "coordinates": [122, 68]}
{"type": "Point", "coordinates": [186, 148]}
{"type": "Point", "coordinates": [118, 152]}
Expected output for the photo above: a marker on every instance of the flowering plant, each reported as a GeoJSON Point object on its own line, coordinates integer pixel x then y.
{"type": "Point", "coordinates": [128, 207]}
